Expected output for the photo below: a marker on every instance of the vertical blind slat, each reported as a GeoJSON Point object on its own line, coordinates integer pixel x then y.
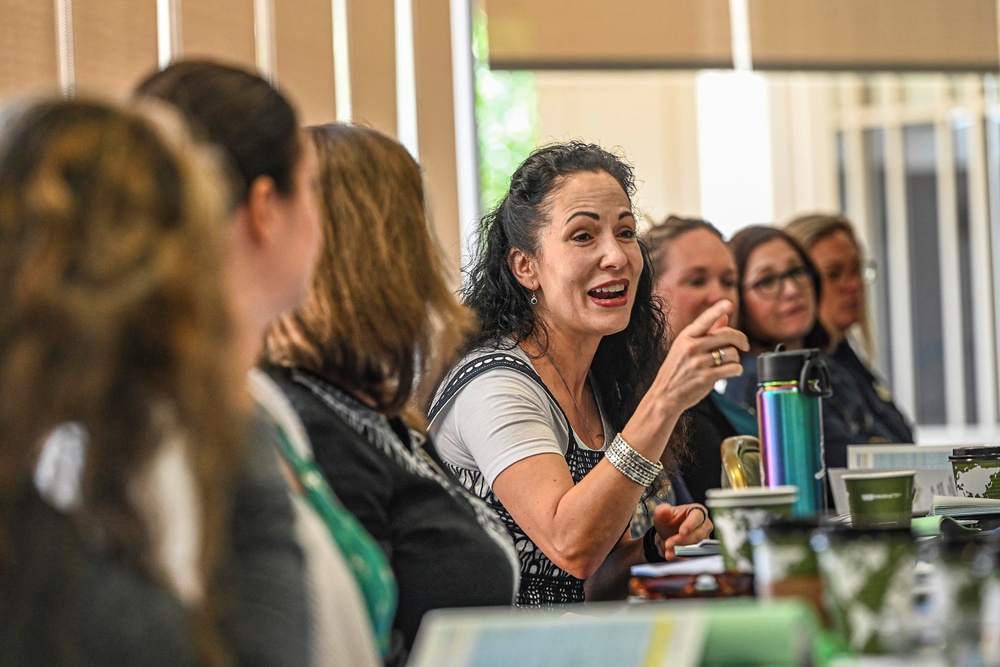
{"type": "Point", "coordinates": [28, 55]}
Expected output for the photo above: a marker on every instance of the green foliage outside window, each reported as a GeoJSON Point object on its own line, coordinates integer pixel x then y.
{"type": "Point", "coordinates": [505, 117]}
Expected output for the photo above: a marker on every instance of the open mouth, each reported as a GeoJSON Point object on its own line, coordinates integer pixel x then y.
{"type": "Point", "coordinates": [609, 293]}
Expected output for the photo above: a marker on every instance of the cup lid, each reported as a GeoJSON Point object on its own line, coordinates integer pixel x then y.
{"type": "Point", "coordinates": [976, 452]}
{"type": "Point", "coordinates": [757, 495]}
{"type": "Point", "coordinates": [882, 474]}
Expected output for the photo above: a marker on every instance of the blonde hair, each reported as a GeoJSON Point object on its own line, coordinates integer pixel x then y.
{"type": "Point", "coordinates": [380, 318]}
{"type": "Point", "coordinates": [809, 230]}
{"type": "Point", "coordinates": [113, 316]}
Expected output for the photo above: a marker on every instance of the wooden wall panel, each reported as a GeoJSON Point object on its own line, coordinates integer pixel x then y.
{"type": "Point", "coordinates": [28, 53]}
{"type": "Point", "coordinates": [303, 57]}
{"type": "Point", "coordinates": [115, 44]}
{"type": "Point", "coordinates": [218, 29]}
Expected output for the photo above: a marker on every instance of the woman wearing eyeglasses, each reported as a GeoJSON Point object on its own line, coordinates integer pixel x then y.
{"type": "Point", "coordinates": [780, 290]}
{"type": "Point", "coordinates": [832, 246]}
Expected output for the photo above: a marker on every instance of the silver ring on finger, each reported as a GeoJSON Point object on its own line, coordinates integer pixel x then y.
{"type": "Point", "coordinates": [719, 357]}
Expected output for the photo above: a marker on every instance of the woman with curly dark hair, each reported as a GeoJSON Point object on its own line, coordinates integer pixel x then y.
{"type": "Point", "coordinates": [560, 413]}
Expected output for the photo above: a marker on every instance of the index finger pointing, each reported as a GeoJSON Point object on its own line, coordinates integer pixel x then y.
{"type": "Point", "coordinates": [707, 320]}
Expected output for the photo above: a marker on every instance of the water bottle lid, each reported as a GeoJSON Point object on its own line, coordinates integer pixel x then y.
{"type": "Point", "coordinates": [975, 454]}
{"type": "Point", "coordinates": [783, 365]}
{"type": "Point", "coordinates": [806, 368]}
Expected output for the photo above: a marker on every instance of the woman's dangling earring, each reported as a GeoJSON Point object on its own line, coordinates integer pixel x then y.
{"type": "Point", "coordinates": [534, 299]}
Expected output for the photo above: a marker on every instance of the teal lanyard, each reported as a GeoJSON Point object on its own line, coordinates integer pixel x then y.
{"type": "Point", "coordinates": [741, 419]}
{"type": "Point", "coordinates": [363, 555]}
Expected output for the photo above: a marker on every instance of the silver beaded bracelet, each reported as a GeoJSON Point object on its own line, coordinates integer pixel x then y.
{"type": "Point", "coordinates": [631, 463]}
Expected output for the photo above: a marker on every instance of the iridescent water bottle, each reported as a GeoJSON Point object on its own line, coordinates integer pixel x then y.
{"type": "Point", "coordinates": [790, 388]}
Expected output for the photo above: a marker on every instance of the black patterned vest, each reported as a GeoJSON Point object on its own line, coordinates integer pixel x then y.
{"type": "Point", "coordinates": [543, 583]}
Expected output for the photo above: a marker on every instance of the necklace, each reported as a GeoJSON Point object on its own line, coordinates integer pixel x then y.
{"type": "Point", "coordinates": [586, 419]}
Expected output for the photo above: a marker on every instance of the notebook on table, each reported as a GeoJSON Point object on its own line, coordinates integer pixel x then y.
{"type": "Point", "coordinates": [726, 633]}
{"type": "Point", "coordinates": [576, 635]}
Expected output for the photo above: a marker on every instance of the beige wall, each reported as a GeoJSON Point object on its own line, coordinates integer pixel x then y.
{"type": "Point", "coordinates": [652, 119]}
{"type": "Point", "coordinates": [648, 117]}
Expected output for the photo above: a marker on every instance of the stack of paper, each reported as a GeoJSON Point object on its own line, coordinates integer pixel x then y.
{"type": "Point", "coordinates": [708, 564]}
{"type": "Point", "coordinates": [900, 457]}
{"type": "Point", "coordinates": [961, 506]}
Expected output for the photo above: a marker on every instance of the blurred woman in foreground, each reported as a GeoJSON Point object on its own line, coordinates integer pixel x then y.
{"type": "Point", "coordinates": [273, 239]}
{"type": "Point", "coordinates": [115, 348]}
